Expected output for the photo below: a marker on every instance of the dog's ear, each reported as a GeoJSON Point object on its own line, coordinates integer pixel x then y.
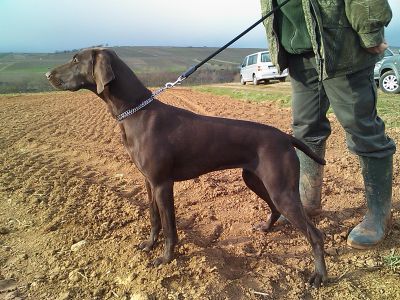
{"type": "Point", "coordinates": [102, 69]}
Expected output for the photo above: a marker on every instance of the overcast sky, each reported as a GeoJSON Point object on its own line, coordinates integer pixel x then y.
{"type": "Point", "coordinates": [50, 25]}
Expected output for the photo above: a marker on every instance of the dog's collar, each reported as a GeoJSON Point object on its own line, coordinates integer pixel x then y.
{"type": "Point", "coordinates": [131, 111]}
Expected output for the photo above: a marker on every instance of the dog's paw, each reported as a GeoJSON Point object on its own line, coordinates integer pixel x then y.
{"type": "Point", "coordinates": [316, 280]}
{"type": "Point", "coordinates": [158, 261]}
{"type": "Point", "coordinates": [263, 227]}
{"type": "Point", "coordinates": [161, 261]}
{"type": "Point", "coordinates": [146, 246]}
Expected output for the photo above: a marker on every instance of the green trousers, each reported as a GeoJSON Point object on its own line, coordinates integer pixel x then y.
{"type": "Point", "coordinates": [353, 98]}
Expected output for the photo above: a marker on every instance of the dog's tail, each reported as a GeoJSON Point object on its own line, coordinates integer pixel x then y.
{"type": "Point", "coordinates": [304, 148]}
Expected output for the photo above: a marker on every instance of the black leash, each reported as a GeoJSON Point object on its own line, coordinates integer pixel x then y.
{"type": "Point", "coordinates": [192, 69]}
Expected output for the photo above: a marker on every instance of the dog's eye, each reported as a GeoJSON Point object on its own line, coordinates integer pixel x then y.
{"type": "Point", "coordinates": [75, 60]}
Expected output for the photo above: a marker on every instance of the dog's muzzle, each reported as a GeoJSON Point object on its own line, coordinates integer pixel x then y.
{"type": "Point", "coordinates": [54, 81]}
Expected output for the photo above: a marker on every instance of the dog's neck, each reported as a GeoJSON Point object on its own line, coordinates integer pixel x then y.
{"type": "Point", "coordinates": [125, 91]}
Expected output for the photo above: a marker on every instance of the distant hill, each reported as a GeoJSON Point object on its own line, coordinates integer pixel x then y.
{"type": "Point", "coordinates": [24, 72]}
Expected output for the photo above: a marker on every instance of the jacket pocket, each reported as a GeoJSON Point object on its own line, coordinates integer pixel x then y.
{"type": "Point", "coordinates": [339, 44]}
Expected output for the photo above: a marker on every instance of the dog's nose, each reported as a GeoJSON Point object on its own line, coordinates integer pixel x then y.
{"type": "Point", "coordinates": [48, 75]}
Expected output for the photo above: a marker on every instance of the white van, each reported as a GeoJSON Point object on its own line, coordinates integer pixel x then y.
{"type": "Point", "coordinates": [258, 67]}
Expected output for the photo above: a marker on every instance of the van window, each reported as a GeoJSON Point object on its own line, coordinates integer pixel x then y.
{"type": "Point", "coordinates": [388, 53]}
{"type": "Point", "coordinates": [244, 62]}
{"type": "Point", "coordinates": [252, 60]}
{"type": "Point", "coordinates": [265, 57]}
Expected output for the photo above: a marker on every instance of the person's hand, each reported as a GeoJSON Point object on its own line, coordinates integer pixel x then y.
{"type": "Point", "coordinates": [378, 49]}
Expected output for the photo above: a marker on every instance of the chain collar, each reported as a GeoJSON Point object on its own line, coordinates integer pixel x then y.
{"type": "Point", "coordinates": [131, 111]}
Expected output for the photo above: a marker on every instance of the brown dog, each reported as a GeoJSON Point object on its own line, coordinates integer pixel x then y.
{"type": "Point", "coordinates": [169, 144]}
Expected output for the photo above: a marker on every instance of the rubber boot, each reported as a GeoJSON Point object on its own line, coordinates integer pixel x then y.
{"type": "Point", "coordinates": [310, 185]}
{"type": "Point", "coordinates": [377, 174]}
{"type": "Point", "coordinates": [311, 176]}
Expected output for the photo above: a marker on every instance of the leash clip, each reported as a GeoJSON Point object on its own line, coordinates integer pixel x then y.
{"type": "Point", "coordinates": [169, 85]}
{"type": "Point", "coordinates": [181, 78]}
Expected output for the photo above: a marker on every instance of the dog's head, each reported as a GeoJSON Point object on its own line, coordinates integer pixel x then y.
{"type": "Point", "coordinates": [88, 69]}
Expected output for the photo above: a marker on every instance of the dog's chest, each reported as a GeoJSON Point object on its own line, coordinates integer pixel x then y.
{"type": "Point", "coordinates": [132, 148]}
{"type": "Point", "coordinates": [124, 140]}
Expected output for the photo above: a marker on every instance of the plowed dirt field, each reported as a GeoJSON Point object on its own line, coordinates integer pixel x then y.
{"type": "Point", "coordinates": [74, 209]}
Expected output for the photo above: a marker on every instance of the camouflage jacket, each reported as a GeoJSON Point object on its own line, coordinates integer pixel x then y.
{"type": "Point", "coordinates": [340, 30]}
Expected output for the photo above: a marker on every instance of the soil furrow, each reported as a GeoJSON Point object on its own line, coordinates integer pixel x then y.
{"type": "Point", "coordinates": [74, 209]}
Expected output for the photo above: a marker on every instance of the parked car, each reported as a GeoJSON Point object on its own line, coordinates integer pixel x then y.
{"type": "Point", "coordinates": [258, 67]}
{"type": "Point", "coordinates": [387, 73]}
{"type": "Point", "coordinates": [389, 80]}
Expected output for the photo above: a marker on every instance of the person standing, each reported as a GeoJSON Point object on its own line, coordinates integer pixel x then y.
{"type": "Point", "coordinates": [330, 49]}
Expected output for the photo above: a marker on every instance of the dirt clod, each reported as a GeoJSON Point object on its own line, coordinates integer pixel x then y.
{"type": "Point", "coordinates": [7, 285]}
{"type": "Point", "coordinates": [4, 230]}
{"type": "Point", "coordinates": [75, 247]}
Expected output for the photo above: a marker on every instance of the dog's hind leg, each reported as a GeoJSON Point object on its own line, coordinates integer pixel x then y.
{"type": "Point", "coordinates": [317, 242]}
{"type": "Point", "coordinates": [289, 204]}
{"type": "Point", "coordinates": [154, 220]}
{"type": "Point", "coordinates": [256, 185]}
{"type": "Point", "coordinates": [282, 183]}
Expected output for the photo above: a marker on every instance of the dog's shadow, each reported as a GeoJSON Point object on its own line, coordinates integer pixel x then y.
{"type": "Point", "coordinates": [236, 256]}
{"type": "Point", "coordinates": [233, 256]}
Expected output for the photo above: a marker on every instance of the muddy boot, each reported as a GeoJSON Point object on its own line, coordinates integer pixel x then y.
{"type": "Point", "coordinates": [310, 186]}
{"type": "Point", "coordinates": [377, 174]}
{"type": "Point", "coordinates": [311, 176]}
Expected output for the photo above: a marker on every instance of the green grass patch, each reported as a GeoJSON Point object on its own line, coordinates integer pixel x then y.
{"type": "Point", "coordinates": [388, 104]}
{"type": "Point", "coordinates": [388, 108]}
{"type": "Point", "coordinates": [256, 95]}
{"type": "Point", "coordinates": [29, 67]}
{"type": "Point", "coordinates": [392, 261]}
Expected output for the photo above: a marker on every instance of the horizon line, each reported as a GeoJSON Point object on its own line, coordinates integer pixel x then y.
{"type": "Point", "coordinates": [120, 46]}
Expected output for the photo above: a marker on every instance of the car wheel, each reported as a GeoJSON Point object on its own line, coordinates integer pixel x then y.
{"type": "Point", "coordinates": [242, 80]}
{"type": "Point", "coordinates": [255, 81]}
{"type": "Point", "coordinates": [389, 83]}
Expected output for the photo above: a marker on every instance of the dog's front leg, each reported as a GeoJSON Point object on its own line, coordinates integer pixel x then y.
{"type": "Point", "coordinates": [165, 202]}
{"type": "Point", "coordinates": [154, 220]}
